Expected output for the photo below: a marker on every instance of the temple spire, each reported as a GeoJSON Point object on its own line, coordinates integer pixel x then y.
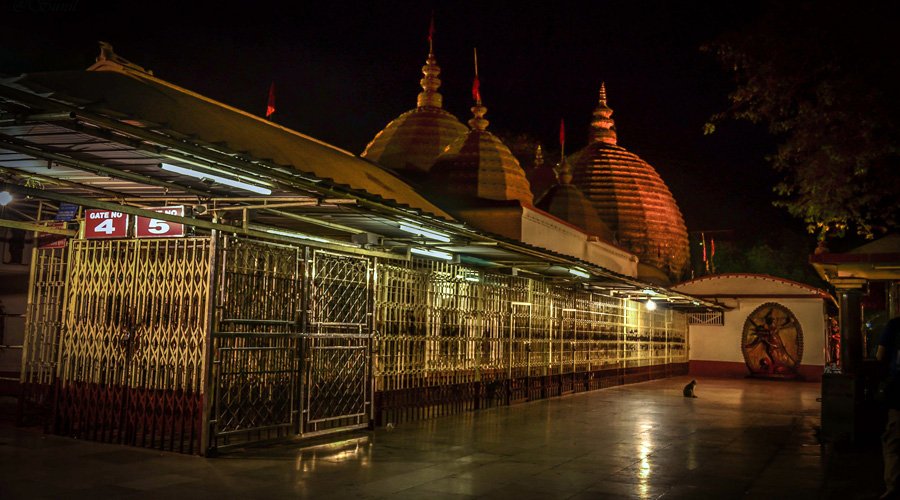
{"type": "Point", "coordinates": [478, 122]}
{"type": "Point", "coordinates": [430, 97]}
{"type": "Point", "coordinates": [603, 126]}
{"type": "Point", "coordinates": [564, 172]}
{"type": "Point", "coordinates": [538, 157]}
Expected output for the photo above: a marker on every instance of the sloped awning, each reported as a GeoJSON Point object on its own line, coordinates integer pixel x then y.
{"type": "Point", "coordinates": [100, 139]}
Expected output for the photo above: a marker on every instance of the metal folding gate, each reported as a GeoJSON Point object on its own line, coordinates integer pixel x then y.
{"type": "Point", "coordinates": [130, 366]}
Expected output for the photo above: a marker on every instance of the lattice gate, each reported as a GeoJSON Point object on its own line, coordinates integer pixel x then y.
{"type": "Point", "coordinates": [258, 321]}
{"type": "Point", "coordinates": [131, 367]}
{"type": "Point", "coordinates": [43, 320]}
{"type": "Point", "coordinates": [337, 351]}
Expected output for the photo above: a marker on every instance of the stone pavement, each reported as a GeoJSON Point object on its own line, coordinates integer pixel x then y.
{"type": "Point", "coordinates": [738, 439]}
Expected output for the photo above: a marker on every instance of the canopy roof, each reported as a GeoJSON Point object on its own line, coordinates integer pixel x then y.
{"type": "Point", "coordinates": [98, 139]}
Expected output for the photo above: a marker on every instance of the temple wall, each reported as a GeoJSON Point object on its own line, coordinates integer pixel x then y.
{"type": "Point", "coordinates": [716, 350]}
{"type": "Point", "coordinates": [540, 229]}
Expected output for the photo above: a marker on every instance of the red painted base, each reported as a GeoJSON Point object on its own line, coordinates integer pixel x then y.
{"type": "Point", "coordinates": [731, 369]}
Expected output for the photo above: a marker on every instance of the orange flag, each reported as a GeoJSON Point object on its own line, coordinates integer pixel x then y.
{"type": "Point", "coordinates": [270, 108]}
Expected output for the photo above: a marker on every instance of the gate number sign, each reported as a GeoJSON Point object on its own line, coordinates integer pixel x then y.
{"type": "Point", "coordinates": [99, 223]}
{"type": "Point", "coordinates": [156, 228]}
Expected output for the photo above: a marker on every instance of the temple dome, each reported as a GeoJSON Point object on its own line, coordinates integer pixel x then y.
{"type": "Point", "coordinates": [567, 202]}
{"type": "Point", "coordinates": [412, 141]}
{"type": "Point", "coordinates": [631, 197]}
{"type": "Point", "coordinates": [479, 165]}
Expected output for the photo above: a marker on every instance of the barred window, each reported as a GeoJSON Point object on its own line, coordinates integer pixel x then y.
{"type": "Point", "coordinates": [714, 318]}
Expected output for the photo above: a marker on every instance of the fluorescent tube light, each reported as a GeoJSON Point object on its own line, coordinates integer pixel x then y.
{"type": "Point", "coordinates": [216, 178]}
{"type": "Point", "coordinates": [579, 273]}
{"type": "Point", "coordinates": [299, 236]}
{"type": "Point", "coordinates": [437, 254]}
{"type": "Point", "coordinates": [421, 231]}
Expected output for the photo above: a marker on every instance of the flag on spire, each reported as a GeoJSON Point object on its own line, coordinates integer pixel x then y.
{"type": "Point", "coordinates": [562, 138]}
{"type": "Point", "coordinates": [476, 85]}
{"type": "Point", "coordinates": [270, 107]}
{"type": "Point", "coordinates": [431, 34]}
{"type": "Point", "coordinates": [562, 133]}
{"type": "Point", "coordinates": [703, 245]}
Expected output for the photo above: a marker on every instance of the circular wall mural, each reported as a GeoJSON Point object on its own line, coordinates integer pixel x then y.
{"type": "Point", "coordinates": [772, 342]}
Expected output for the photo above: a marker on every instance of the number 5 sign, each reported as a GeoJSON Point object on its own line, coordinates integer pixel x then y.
{"type": "Point", "coordinates": [100, 223]}
{"type": "Point", "coordinates": [156, 228]}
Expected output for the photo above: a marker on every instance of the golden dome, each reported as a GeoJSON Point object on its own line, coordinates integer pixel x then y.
{"type": "Point", "coordinates": [631, 197]}
{"type": "Point", "coordinates": [414, 139]}
{"type": "Point", "coordinates": [480, 165]}
{"type": "Point", "coordinates": [567, 202]}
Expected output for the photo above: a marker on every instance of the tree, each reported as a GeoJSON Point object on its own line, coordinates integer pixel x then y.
{"type": "Point", "coordinates": [824, 78]}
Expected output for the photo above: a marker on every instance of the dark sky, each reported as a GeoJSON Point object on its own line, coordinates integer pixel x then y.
{"type": "Point", "coordinates": [343, 70]}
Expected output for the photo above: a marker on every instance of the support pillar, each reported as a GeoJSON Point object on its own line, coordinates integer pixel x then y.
{"type": "Point", "coordinates": [844, 410]}
{"type": "Point", "coordinates": [850, 295]}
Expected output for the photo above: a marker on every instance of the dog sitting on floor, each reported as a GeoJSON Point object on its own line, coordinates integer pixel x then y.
{"type": "Point", "coordinates": [689, 389]}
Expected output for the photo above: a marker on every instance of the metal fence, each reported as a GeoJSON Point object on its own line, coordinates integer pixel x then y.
{"type": "Point", "coordinates": [201, 344]}
{"type": "Point", "coordinates": [450, 339]}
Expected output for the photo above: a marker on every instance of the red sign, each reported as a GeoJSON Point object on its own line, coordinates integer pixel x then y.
{"type": "Point", "coordinates": [99, 223]}
{"type": "Point", "coordinates": [156, 228]}
{"type": "Point", "coordinates": [50, 240]}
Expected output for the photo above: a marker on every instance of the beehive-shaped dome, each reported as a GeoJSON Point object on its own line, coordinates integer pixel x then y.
{"type": "Point", "coordinates": [479, 165]}
{"type": "Point", "coordinates": [414, 140]}
{"type": "Point", "coordinates": [567, 202]}
{"type": "Point", "coordinates": [631, 197]}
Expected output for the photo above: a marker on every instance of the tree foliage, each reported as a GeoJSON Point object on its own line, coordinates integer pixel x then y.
{"type": "Point", "coordinates": [824, 77]}
{"type": "Point", "coordinates": [783, 254]}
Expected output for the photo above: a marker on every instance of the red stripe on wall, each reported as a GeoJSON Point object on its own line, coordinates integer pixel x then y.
{"type": "Point", "coordinates": [731, 369]}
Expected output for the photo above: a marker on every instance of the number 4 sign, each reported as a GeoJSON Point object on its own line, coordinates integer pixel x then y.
{"type": "Point", "coordinates": [157, 228]}
{"type": "Point", "coordinates": [100, 223]}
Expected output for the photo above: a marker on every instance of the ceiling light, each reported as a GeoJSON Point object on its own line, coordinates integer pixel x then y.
{"type": "Point", "coordinates": [421, 231]}
{"type": "Point", "coordinates": [579, 273]}
{"type": "Point", "coordinates": [651, 306]}
{"type": "Point", "coordinates": [5, 198]}
{"type": "Point", "coordinates": [437, 254]}
{"type": "Point", "coordinates": [216, 178]}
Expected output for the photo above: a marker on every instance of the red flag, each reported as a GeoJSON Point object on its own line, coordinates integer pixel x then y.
{"type": "Point", "coordinates": [562, 133]}
{"type": "Point", "coordinates": [712, 248]}
{"type": "Point", "coordinates": [270, 108]}
{"type": "Point", "coordinates": [476, 93]}
{"type": "Point", "coordinates": [703, 244]}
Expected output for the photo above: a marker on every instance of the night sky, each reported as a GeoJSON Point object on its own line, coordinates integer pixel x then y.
{"type": "Point", "coordinates": [343, 70]}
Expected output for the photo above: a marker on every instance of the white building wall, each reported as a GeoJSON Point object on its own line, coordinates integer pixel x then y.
{"type": "Point", "coordinates": [723, 343]}
{"type": "Point", "coordinates": [542, 230]}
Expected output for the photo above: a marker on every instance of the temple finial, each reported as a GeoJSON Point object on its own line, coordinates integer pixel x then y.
{"type": "Point", "coordinates": [564, 172]}
{"type": "Point", "coordinates": [604, 127]}
{"type": "Point", "coordinates": [538, 157]}
{"type": "Point", "coordinates": [109, 57]}
{"type": "Point", "coordinates": [430, 97]}
{"type": "Point", "coordinates": [478, 121]}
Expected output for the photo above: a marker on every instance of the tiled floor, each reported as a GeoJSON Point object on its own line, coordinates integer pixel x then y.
{"type": "Point", "coordinates": [738, 439]}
